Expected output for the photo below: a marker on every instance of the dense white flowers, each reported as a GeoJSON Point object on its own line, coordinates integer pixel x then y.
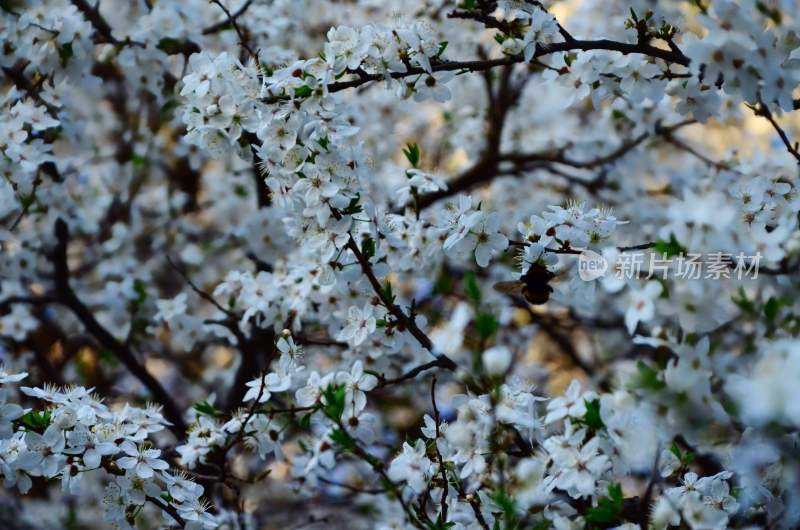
{"type": "Point", "coordinates": [464, 265]}
{"type": "Point", "coordinates": [75, 435]}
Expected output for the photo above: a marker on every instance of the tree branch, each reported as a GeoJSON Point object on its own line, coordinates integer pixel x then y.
{"type": "Point", "coordinates": [405, 321]}
{"type": "Point", "coordinates": [670, 56]}
{"type": "Point", "coordinates": [411, 374]}
{"type": "Point", "coordinates": [486, 169]}
{"type": "Point", "coordinates": [763, 110]}
{"type": "Point", "coordinates": [67, 297]}
{"type": "Point", "coordinates": [231, 19]}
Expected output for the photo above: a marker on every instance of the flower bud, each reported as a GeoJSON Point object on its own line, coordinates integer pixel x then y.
{"type": "Point", "coordinates": [496, 360]}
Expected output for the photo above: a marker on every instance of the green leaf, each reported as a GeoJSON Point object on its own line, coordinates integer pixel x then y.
{"type": "Point", "coordinates": [507, 506]}
{"type": "Point", "coordinates": [412, 154]}
{"type": "Point", "coordinates": [387, 291]}
{"type": "Point", "coordinates": [670, 248]}
{"type": "Point", "coordinates": [592, 417]}
{"type": "Point", "coordinates": [438, 524]}
{"type": "Point", "coordinates": [167, 497]}
{"type": "Point", "coordinates": [172, 46]}
{"type": "Point", "coordinates": [742, 302]}
{"type": "Point", "coordinates": [302, 92]}
{"type": "Point", "coordinates": [205, 408]}
{"type": "Point", "coordinates": [165, 113]}
{"type": "Point", "coordinates": [36, 421]}
{"type": "Point", "coordinates": [686, 458]}
{"type": "Point", "coordinates": [618, 115]}
{"type": "Point", "coordinates": [141, 290]}
{"type": "Point", "coordinates": [342, 439]}
{"type": "Point", "coordinates": [333, 401]}
{"type": "Point", "coordinates": [471, 288]}
{"type": "Point", "coordinates": [486, 324]}
{"type": "Point", "coordinates": [305, 420]}
{"type": "Point", "coordinates": [444, 284]}
{"type": "Point", "coordinates": [168, 43]}
{"type": "Point", "coordinates": [26, 200]}
{"type": "Point", "coordinates": [771, 309]}
{"type": "Point", "coordinates": [353, 207]}
{"type": "Point", "coordinates": [664, 289]}
{"type": "Point", "coordinates": [442, 48]}
{"type": "Point", "coordinates": [608, 509]}
{"type": "Point", "coordinates": [107, 357]}
{"type": "Point", "coordinates": [368, 247]}
{"type": "Point", "coordinates": [138, 161]}
{"type": "Point", "coordinates": [65, 53]}
{"type": "Point", "coordinates": [648, 377]}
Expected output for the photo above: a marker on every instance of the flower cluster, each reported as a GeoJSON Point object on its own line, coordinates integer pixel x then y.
{"type": "Point", "coordinates": [75, 435]}
{"type": "Point", "coordinates": [360, 259]}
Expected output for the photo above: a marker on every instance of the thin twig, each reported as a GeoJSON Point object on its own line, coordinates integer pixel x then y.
{"type": "Point", "coordinates": [166, 508]}
{"type": "Point", "coordinates": [763, 110]}
{"type": "Point", "coordinates": [202, 294]}
{"type": "Point", "coordinates": [224, 24]}
{"type": "Point", "coordinates": [408, 323]}
{"type": "Point", "coordinates": [235, 25]}
{"type": "Point", "coordinates": [440, 460]}
{"type": "Point", "coordinates": [411, 374]}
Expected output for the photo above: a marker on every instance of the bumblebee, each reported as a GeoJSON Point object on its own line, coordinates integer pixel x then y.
{"type": "Point", "coordinates": [534, 285]}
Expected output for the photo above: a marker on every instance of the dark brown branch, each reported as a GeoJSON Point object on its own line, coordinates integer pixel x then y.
{"type": "Point", "coordinates": [232, 21]}
{"type": "Point", "coordinates": [250, 413]}
{"type": "Point", "coordinates": [670, 56]}
{"type": "Point", "coordinates": [509, 28]}
{"type": "Point", "coordinates": [439, 459]}
{"type": "Point", "coordinates": [28, 300]}
{"type": "Point", "coordinates": [557, 156]}
{"type": "Point", "coordinates": [251, 348]}
{"type": "Point", "coordinates": [67, 297]}
{"type": "Point", "coordinates": [406, 322]}
{"type": "Point", "coordinates": [354, 489]}
{"type": "Point", "coordinates": [486, 169]}
{"type": "Point", "coordinates": [104, 35]}
{"type": "Point", "coordinates": [683, 146]}
{"type": "Point", "coordinates": [763, 110]}
{"type": "Point", "coordinates": [17, 76]}
{"type": "Point", "coordinates": [483, 171]}
{"type": "Point", "coordinates": [257, 351]}
{"type": "Point", "coordinates": [411, 374]}
{"type": "Point", "coordinates": [231, 18]}
{"type": "Point", "coordinates": [170, 510]}
{"type": "Point", "coordinates": [380, 468]}
{"type": "Point", "coordinates": [97, 21]}
{"type": "Point", "coordinates": [263, 193]}
{"type": "Point", "coordinates": [501, 102]}
{"type": "Point", "coordinates": [474, 503]}
{"type": "Point", "coordinates": [202, 294]}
